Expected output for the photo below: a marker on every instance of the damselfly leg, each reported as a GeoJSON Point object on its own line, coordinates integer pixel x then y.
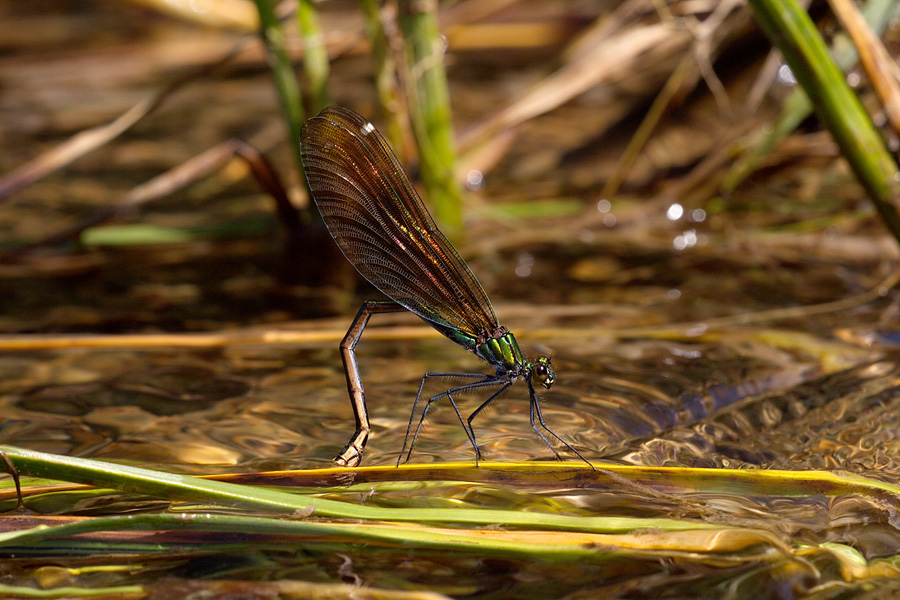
{"type": "Point", "coordinates": [485, 380]}
{"type": "Point", "coordinates": [535, 409]}
{"type": "Point", "coordinates": [351, 455]}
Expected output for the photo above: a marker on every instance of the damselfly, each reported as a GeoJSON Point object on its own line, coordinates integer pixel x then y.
{"type": "Point", "coordinates": [376, 217]}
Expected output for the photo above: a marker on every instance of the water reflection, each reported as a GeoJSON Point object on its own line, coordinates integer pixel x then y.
{"type": "Point", "coordinates": [666, 404]}
{"type": "Point", "coordinates": [725, 401]}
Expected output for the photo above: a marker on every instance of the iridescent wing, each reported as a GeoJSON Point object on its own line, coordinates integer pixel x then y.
{"type": "Point", "coordinates": [377, 218]}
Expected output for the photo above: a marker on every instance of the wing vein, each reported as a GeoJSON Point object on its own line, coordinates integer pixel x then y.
{"type": "Point", "coordinates": [375, 215]}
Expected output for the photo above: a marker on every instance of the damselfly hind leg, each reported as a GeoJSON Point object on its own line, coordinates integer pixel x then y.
{"type": "Point", "coordinates": [351, 455]}
{"type": "Point", "coordinates": [14, 473]}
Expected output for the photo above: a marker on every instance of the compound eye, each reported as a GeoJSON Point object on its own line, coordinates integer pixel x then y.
{"type": "Point", "coordinates": [543, 372]}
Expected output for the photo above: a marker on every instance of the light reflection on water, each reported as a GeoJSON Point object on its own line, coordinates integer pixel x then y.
{"type": "Point", "coordinates": [668, 404]}
{"type": "Point", "coordinates": [643, 402]}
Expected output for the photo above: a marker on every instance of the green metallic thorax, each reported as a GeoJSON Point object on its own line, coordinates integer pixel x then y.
{"type": "Point", "coordinates": [501, 352]}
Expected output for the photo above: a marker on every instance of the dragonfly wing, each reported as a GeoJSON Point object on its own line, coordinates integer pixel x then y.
{"type": "Point", "coordinates": [376, 217]}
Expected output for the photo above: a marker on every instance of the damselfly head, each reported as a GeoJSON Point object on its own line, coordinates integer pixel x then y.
{"type": "Point", "coordinates": [543, 371]}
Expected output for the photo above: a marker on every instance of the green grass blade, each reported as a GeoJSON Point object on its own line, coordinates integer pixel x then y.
{"type": "Point", "coordinates": [121, 591]}
{"type": "Point", "coordinates": [797, 106]}
{"type": "Point", "coordinates": [790, 27]}
{"type": "Point", "coordinates": [546, 546]}
{"type": "Point", "coordinates": [288, 89]}
{"type": "Point", "coordinates": [430, 111]}
{"type": "Point", "coordinates": [315, 56]}
{"type": "Point", "coordinates": [390, 96]}
{"type": "Point", "coordinates": [182, 487]}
